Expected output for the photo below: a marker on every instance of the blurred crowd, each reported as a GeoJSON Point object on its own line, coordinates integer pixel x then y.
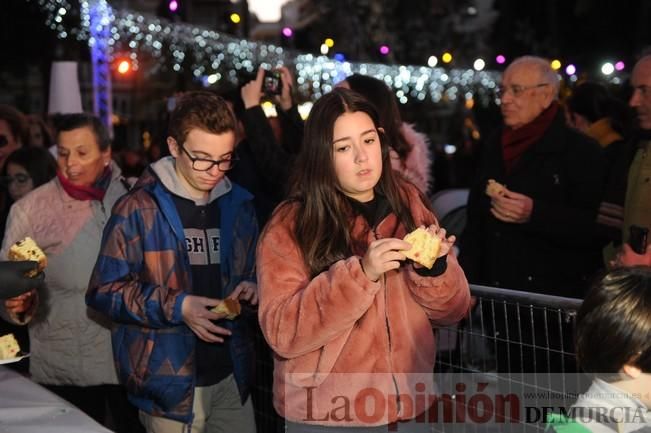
{"type": "Point", "coordinates": [574, 203]}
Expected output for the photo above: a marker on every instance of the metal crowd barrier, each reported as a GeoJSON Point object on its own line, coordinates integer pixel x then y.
{"type": "Point", "coordinates": [515, 343]}
{"type": "Point", "coordinates": [511, 342]}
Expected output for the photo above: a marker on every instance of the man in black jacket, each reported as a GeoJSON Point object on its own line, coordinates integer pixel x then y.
{"type": "Point", "coordinates": [539, 235]}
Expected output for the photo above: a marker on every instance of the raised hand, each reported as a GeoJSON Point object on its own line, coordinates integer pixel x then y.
{"type": "Point", "coordinates": [284, 100]}
{"type": "Point", "coordinates": [252, 91]}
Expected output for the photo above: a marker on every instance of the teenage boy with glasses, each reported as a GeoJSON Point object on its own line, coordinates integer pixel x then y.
{"type": "Point", "coordinates": [182, 240]}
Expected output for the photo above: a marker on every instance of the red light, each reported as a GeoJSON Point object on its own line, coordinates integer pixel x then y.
{"type": "Point", "coordinates": [124, 67]}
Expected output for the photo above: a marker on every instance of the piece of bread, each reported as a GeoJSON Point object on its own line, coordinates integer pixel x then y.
{"type": "Point", "coordinates": [424, 249]}
{"type": "Point", "coordinates": [494, 188]}
{"type": "Point", "coordinates": [27, 249]}
{"type": "Point", "coordinates": [231, 307]}
{"type": "Point", "coordinates": [9, 347]}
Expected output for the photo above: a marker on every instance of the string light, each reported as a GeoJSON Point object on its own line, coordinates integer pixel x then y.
{"type": "Point", "coordinates": [217, 58]}
{"type": "Point", "coordinates": [607, 68]}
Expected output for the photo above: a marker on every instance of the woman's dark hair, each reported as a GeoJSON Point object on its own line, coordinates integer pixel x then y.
{"type": "Point", "coordinates": [380, 95]}
{"type": "Point", "coordinates": [594, 102]}
{"type": "Point", "coordinates": [614, 323]}
{"type": "Point", "coordinates": [69, 122]}
{"type": "Point", "coordinates": [322, 230]}
{"type": "Point", "coordinates": [37, 161]}
{"type": "Point", "coordinates": [17, 123]}
{"type": "Point", "coordinates": [46, 134]}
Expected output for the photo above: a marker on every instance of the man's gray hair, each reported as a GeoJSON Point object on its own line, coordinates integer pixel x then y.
{"type": "Point", "coordinates": [547, 74]}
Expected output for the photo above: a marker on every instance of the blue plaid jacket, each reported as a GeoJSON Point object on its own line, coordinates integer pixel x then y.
{"type": "Point", "coordinates": [140, 279]}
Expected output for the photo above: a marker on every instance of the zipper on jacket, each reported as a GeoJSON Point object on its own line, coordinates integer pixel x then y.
{"type": "Point", "coordinates": [388, 328]}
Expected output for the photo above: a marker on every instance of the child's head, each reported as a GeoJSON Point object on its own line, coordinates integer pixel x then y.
{"type": "Point", "coordinates": [614, 324]}
{"type": "Point", "coordinates": [343, 148]}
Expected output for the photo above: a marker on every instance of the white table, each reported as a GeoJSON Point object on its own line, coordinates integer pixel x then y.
{"type": "Point", "coordinates": [26, 407]}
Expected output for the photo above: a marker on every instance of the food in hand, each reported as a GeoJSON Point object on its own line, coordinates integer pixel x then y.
{"type": "Point", "coordinates": [9, 347]}
{"type": "Point", "coordinates": [425, 247]}
{"type": "Point", "coordinates": [230, 307]}
{"type": "Point", "coordinates": [494, 188]}
{"type": "Point", "coordinates": [27, 249]}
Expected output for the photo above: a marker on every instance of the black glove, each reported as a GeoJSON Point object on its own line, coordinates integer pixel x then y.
{"type": "Point", "coordinates": [13, 281]}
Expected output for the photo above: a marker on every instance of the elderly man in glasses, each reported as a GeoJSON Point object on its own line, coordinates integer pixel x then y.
{"type": "Point", "coordinates": [537, 234]}
{"type": "Point", "coordinates": [176, 245]}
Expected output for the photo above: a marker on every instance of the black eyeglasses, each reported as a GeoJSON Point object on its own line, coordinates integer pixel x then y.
{"type": "Point", "coordinates": [516, 89]}
{"type": "Point", "coordinates": [204, 164]}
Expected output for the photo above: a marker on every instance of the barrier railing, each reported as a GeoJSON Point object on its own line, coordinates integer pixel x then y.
{"type": "Point", "coordinates": [512, 343]}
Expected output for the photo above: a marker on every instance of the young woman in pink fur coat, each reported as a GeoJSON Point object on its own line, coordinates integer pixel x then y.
{"type": "Point", "coordinates": [348, 317]}
{"type": "Point", "coordinates": [410, 149]}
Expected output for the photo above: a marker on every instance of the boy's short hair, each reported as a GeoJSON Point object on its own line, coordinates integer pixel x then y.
{"type": "Point", "coordinates": [614, 323]}
{"type": "Point", "coordinates": [200, 110]}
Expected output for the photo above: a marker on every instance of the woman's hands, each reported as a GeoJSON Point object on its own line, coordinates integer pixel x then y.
{"type": "Point", "coordinates": [446, 242]}
{"type": "Point", "coordinates": [386, 254]}
{"type": "Point", "coordinates": [382, 256]}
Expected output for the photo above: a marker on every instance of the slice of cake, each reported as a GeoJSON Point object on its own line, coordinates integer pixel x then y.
{"type": "Point", "coordinates": [9, 347]}
{"type": "Point", "coordinates": [494, 188]}
{"type": "Point", "coordinates": [27, 249]}
{"type": "Point", "coordinates": [425, 247]}
{"type": "Point", "coordinates": [231, 307]}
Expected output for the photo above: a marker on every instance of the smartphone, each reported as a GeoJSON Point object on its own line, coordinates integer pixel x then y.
{"type": "Point", "coordinates": [637, 238]}
{"type": "Point", "coordinates": [272, 83]}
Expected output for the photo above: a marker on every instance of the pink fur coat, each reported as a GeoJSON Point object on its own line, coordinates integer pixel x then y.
{"type": "Point", "coordinates": [416, 167]}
